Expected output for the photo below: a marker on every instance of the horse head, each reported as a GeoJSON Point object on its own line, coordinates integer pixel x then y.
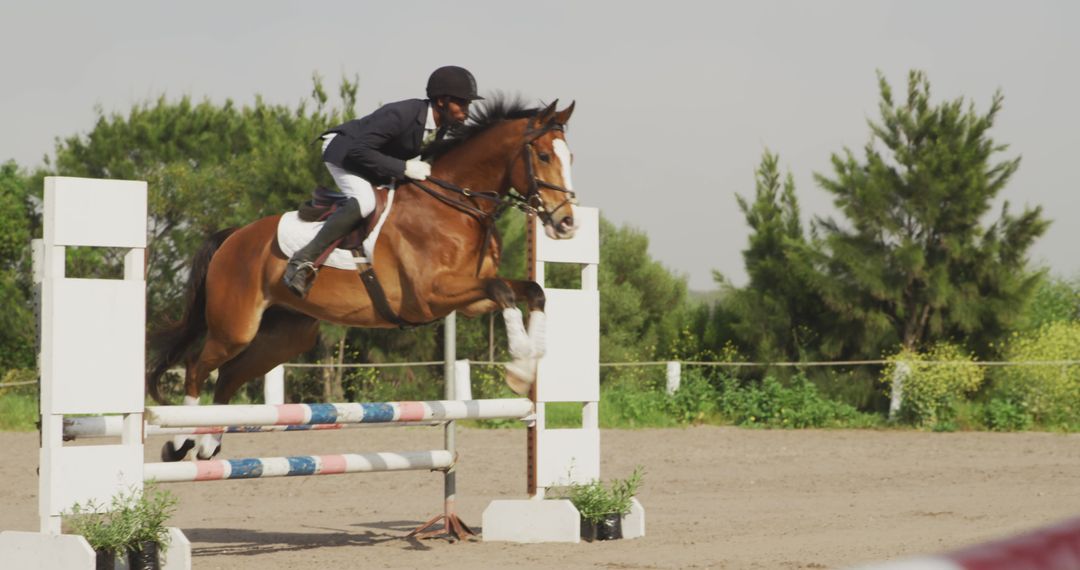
{"type": "Point", "coordinates": [505, 146]}
{"type": "Point", "coordinates": [542, 175]}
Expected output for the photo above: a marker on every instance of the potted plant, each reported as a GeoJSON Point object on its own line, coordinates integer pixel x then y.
{"type": "Point", "coordinates": [107, 534]}
{"type": "Point", "coordinates": [602, 508]}
{"type": "Point", "coordinates": [132, 525]}
{"type": "Point", "coordinates": [148, 511]}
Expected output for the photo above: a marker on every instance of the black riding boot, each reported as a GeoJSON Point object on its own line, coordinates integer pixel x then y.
{"type": "Point", "coordinates": [300, 272]}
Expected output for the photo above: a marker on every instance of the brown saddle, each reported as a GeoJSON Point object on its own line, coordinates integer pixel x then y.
{"type": "Point", "coordinates": [324, 201]}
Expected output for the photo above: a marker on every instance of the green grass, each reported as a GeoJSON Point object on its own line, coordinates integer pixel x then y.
{"type": "Point", "coordinates": [792, 405]}
{"type": "Point", "coordinates": [18, 412]}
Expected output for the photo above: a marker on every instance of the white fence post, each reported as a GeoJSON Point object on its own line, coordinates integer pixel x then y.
{"type": "Point", "coordinates": [674, 376]}
{"type": "Point", "coordinates": [462, 380]}
{"type": "Point", "coordinates": [274, 386]}
{"type": "Point", "coordinates": [900, 373]}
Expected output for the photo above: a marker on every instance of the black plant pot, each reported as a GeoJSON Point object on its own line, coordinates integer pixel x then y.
{"type": "Point", "coordinates": [607, 528]}
{"type": "Point", "coordinates": [145, 557]}
{"type": "Point", "coordinates": [105, 560]}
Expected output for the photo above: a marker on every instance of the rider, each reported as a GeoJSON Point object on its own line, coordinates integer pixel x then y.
{"type": "Point", "coordinates": [378, 150]}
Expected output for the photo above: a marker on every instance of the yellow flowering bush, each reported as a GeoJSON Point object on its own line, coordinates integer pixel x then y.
{"type": "Point", "coordinates": [935, 382]}
{"type": "Point", "coordinates": [1049, 392]}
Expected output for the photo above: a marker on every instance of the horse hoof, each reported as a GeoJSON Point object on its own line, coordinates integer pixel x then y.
{"type": "Point", "coordinates": [520, 377]}
{"type": "Point", "coordinates": [208, 448]}
{"type": "Point", "coordinates": [169, 452]}
{"type": "Point", "coordinates": [203, 456]}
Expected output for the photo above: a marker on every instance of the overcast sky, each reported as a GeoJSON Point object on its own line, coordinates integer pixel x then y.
{"type": "Point", "coordinates": [676, 100]}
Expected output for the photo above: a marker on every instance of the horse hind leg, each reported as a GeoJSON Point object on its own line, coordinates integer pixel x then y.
{"type": "Point", "coordinates": [282, 335]}
{"type": "Point", "coordinates": [214, 354]}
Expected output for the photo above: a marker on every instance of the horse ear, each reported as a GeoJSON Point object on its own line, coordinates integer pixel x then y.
{"type": "Point", "coordinates": [563, 116]}
{"type": "Point", "coordinates": [545, 116]}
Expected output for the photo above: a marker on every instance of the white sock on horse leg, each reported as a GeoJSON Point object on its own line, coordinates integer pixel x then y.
{"type": "Point", "coordinates": [178, 440]}
{"type": "Point", "coordinates": [517, 338]}
{"type": "Point", "coordinates": [208, 445]}
{"type": "Point", "coordinates": [538, 333]}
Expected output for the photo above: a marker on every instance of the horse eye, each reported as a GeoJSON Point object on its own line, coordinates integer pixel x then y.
{"type": "Point", "coordinates": [545, 157]}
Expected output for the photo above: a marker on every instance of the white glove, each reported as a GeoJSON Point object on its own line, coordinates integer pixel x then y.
{"type": "Point", "coordinates": [417, 169]}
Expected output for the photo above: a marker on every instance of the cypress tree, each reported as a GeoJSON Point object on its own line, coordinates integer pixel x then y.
{"type": "Point", "coordinates": [912, 261]}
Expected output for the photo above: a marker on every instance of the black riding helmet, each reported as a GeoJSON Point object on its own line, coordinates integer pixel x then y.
{"type": "Point", "coordinates": [453, 81]}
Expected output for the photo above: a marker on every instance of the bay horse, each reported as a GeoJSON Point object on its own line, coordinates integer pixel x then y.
{"type": "Point", "coordinates": [436, 253]}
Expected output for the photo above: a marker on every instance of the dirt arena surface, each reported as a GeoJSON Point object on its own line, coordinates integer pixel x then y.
{"type": "Point", "coordinates": [714, 498]}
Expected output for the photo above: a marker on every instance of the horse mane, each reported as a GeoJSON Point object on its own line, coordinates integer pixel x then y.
{"type": "Point", "coordinates": [482, 116]}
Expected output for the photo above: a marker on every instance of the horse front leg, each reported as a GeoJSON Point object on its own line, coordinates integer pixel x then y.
{"type": "Point", "coordinates": [525, 346]}
{"type": "Point", "coordinates": [533, 294]}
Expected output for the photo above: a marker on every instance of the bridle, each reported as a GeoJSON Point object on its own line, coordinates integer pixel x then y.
{"type": "Point", "coordinates": [530, 202]}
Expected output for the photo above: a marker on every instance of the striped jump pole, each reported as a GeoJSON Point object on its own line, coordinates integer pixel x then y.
{"type": "Point", "coordinates": [302, 465]}
{"type": "Point", "coordinates": [112, 426]}
{"type": "Point", "coordinates": [347, 413]}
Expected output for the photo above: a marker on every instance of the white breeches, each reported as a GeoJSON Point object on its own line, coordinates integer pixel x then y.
{"type": "Point", "coordinates": [350, 184]}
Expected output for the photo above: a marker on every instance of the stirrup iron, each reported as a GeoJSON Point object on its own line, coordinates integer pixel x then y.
{"type": "Point", "coordinates": [299, 277]}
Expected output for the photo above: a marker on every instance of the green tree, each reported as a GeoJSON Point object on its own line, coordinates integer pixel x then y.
{"type": "Point", "coordinates": [208, 167]}
{"type": "Point", "coordinates": [16, 317]}
{"type": "Point", "coordinates": [642, 304]}
{"type": "Point", "coordinates": [1055, 300]}
{"type": "Point", "coordinates": [778, 314]}
{"type": "Point", "coordinates": [912, 263]}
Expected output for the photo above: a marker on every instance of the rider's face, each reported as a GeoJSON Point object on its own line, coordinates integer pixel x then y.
{"type": "Point", "coordinates": [457, 109]}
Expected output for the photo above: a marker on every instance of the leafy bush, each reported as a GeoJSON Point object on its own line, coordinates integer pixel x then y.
{"type": "Point", "coordinates": [593, 500]}
{"type": "Point", "coordinates": [1054, 300]}
{"type": "Point", "coordinates": [934, 383]}
{"type": "Point", "coordinates": [633, 405]}
{"type": "Point", "coordinates": [132, 517]}
{"type": "Point", "coordinates": [772, 404]}
{"type": "Point", "coordinates": [1006, 415]}
{"type": "Point", "coordinates": [1049, 393]}
{"type": "Point", "coordinates": [696, 399]}
{"type": "Point", "coordinates": [96, 524]}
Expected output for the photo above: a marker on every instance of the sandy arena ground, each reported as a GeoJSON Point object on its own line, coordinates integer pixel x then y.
{"type": "Point", "coordinates": [714, 498]}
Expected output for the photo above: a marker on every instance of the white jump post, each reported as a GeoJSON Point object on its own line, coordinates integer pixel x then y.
{"type": "Point", "coordinates": [569, 372]}
{"type": "Point", "coordinates": [92, 362]}
{"type": "Point", "coordinates": [274, 386]}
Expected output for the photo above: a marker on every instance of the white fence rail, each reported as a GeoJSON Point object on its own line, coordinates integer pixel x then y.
{"type": "Point", "coordinates": [274, 390]}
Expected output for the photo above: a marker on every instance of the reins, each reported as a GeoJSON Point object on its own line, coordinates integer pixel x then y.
{"type": "Point", "coordinates": [529, 203]}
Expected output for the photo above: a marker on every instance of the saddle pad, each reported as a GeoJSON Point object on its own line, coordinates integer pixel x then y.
{"type": "Point", "coordinates": [294, 233]}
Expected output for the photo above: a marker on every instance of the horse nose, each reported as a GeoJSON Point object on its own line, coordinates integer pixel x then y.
{"type": "Point", "coordinates": [567, 224]}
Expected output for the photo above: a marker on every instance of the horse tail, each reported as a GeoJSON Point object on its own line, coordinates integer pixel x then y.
{"type": "Point", "coordinates": [168, 344]}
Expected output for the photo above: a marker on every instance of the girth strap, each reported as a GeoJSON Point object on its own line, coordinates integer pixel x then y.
{"type": "Point", "coordinates": [378, 299]}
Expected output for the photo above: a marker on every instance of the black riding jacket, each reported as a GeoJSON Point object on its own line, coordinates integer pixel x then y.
{"type": "Point", "coordinates": [376, 147]}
